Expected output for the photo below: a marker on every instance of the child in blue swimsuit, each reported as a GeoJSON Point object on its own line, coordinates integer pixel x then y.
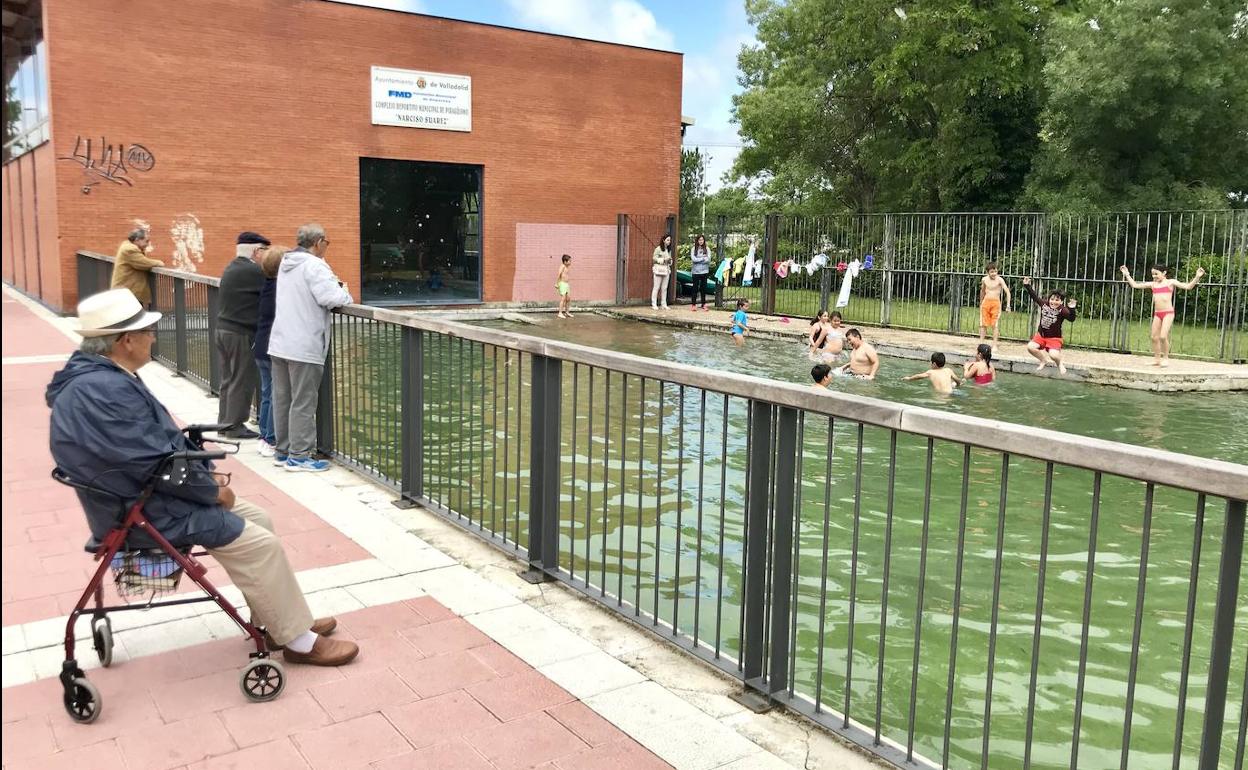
{"type": "Point", "coordinates": [740, 322]}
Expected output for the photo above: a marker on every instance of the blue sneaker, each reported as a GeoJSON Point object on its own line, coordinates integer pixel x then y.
{"type": "Point", "coordinates": [279, 459]}
{"type": "Point", "coordinates": [306, 464]}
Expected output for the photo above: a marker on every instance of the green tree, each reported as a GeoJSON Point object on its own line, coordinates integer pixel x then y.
{"type": "Point", "coordinates": [692, 187]}
{"type": "Point", "coordinates": [889, 107]}
{"type": "Point", "coordinates": [1148, 106]}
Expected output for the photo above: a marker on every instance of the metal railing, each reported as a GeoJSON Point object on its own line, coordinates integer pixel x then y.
{"type": "Point", "coordinates": [940, 589]}
{"type": "Point", "coordinates": [927, 269]}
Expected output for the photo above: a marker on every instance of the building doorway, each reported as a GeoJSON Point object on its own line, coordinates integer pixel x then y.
{"type": "Point", "coordinates": [420, 232]}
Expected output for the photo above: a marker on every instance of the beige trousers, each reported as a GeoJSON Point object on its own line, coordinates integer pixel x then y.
{"type": "Point", "coordinates": [257, 564]}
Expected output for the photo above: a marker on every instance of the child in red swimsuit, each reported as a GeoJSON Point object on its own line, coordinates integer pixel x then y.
{"type": "Point", "coordinates": [1163, 307]}
{"type": "Point", "coordinates": [1046, 345]}
{"type": "Point", "coordinates": [980, 369]}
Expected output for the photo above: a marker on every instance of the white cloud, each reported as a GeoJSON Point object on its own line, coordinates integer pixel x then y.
{"type": "Point", "coordinates": [411, 6]}
{"type": "Point", "coordinates": [614, 21]}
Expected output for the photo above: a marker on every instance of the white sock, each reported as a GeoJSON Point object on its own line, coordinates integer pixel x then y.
{"type": "Point", "coordinates": [303, 642]}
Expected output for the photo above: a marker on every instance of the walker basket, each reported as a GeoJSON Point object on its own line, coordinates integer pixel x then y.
{"type": "Point", "coordinates": [145, 573]}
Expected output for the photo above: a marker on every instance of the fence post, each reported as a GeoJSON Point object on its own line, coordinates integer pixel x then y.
{"type": "Point", "coordinates": [214, 363]}
{"type": "Point", "coordinates": [890, 245]}
{"type": "Point", "coordinates": [544, 470]}
{"type": "Point", "coordinates": [770, 248]}
{"type": "Point", "coordinates": [670, 229]}
{"type": "Point", "coordinates": [825, 288]}
{"type": "Point", "coordinates": [179, 326]}
{"type": "Point", "coordinates": [955, 301]}
{"type": "Point", "coordinates": [325, 400]}
{"type": "Point", "coordinates": [412, 431]}
{"type": "Point", "coordinates": [1223, 635]}
{"type": "Point", "coordinates": [151, 292]}
{"type": "Point", "coordinates": [721, 235]}
{"type": "Point", "coordinates": [621, 258]}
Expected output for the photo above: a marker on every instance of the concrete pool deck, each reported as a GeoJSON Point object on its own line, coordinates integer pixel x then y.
{"type": "Point", "coordinates": [1122, 370]}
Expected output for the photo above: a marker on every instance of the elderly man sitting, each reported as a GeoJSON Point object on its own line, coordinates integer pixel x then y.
{"type": "Point", "coordinates": [108, 429]}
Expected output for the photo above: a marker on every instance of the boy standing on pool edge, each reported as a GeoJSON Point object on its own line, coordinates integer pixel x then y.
{"type": "Point", "coordinates": [990, 288]}
{"type": "Point", "coordinates": [1046, 345]}
{"type": "Point", "coordinates": [564, 288]}
{"type": "Point", "coordinates": [740, 322]}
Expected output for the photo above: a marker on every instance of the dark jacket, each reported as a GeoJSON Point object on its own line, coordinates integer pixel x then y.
{"type": "Point", "coordinates": [108, 430]}
{"type": "Point", "coordinates": [238, 308]}
{"type": "Point", "coordinates": [264, 325]}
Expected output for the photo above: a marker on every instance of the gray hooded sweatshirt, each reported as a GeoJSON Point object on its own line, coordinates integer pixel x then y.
{"type": "Point", "coordinates": [307, 290]}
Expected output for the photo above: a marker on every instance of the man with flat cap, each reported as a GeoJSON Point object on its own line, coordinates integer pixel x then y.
{"type": "Point", "coordinates": [237, 317]}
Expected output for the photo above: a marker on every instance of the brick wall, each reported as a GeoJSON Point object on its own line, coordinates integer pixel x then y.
{"type": "Point", "coordinates": [257, 112]}
{"type": "Point", "coordinates": [539, 251]}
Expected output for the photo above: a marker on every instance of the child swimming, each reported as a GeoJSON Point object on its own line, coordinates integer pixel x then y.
{"type": "Point", "coordinates": [1163, 288]}
{"type": "Point", "coordinates": [740, 322]}
{"type": "Point", "coordinates": [1046, 345]}
{"type": "Point", "coordinates": [822, 375]}
{"type": "Point", "coordinates": [943, 380]}
{"type": "Point", "coordinates": [564, 288]}
{"type": "Point", "coordinates": [827, 337]}
{"type": "Point", "coordinates": [980, 369]}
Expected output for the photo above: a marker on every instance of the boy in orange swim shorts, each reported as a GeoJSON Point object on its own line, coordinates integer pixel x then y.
{"type": "Point", "coordinates": [990, 288]}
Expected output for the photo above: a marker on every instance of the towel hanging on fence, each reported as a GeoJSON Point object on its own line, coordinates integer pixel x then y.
{"type": "Point", "coordinates": [851, 272]}
{"type": "Point", "coordinates": [722, 271]}
{"type": "Point", "coordinates": [749, 267]}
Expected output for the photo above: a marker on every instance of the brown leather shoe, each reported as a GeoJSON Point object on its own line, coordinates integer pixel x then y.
{"type": "Point", "coordinates": [325, 652]}
{"type": "Point", "coordinates": [320, 627]}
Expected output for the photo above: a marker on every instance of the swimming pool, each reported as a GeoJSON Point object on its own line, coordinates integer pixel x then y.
{"type": "Point", "coordinates": [1213, 425]}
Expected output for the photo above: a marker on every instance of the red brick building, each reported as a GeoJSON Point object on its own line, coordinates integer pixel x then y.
{"type": "Point", "coordinates": [204, 118]}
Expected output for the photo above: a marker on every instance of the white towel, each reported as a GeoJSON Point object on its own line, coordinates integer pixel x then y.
{"type": "Point", "coordinates": [851, 271]}
{"type": "Point", "coordinates": [749, 267]}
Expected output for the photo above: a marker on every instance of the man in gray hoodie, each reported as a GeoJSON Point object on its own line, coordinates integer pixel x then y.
{"type": "Point", "coordinates": [307, 290]}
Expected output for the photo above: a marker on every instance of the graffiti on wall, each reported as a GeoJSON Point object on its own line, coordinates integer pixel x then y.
{"type": "Point", "coordinates": [188, 242]}
{"type": "Point", "coordinates": [110, 162]}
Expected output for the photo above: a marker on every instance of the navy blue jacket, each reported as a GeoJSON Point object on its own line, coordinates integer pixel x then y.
{"type": "Point", "coordinates": [264, 325]}
{"type": "Point", "coordinates": [108, 430]}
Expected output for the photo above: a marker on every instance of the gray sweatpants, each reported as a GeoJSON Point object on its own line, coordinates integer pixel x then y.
{"type": "Point", "coordinates": [296, 388]}
{"type": "Point", "coordinates": [239, 377]}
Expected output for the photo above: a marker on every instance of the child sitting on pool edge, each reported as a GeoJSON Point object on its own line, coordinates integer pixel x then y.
{"type": "Point", "coordinates": [943, 380]}
{"type": "Point", "coordinates": [564, 287]}
{"type": "Point", "coordinates": [740, 322]}
{"type": "Point", "coordinates": [980, 369]}
{"type": "Point", "coordinates": [1046, 345]}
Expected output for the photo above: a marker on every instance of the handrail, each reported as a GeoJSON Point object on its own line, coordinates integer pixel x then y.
{"type": "Point", "coordinates": [1198, 474]}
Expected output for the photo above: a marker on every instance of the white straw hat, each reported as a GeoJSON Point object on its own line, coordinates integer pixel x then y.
{"type": "Point", "coordinates": [113, 312]}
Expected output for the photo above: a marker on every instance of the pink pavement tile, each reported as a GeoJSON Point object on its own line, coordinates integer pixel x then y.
{"type": "Point", "coordinates": [354, 743]}
{"type": "Point", "coordinates": [128, 707]}
{"type": "Point", "coordinates": [100, 756]}
{"type": "Point", "coordinates": [275, 755]}
{"type": "Point", "coordinates": [356, 696]}
{"type": "Point", "coordinates": [622, 753]}
{"type": "Point", "coordinates": [180, 700]}
{"type": "Point", "coordinates": [29, 700]}
{"type": "Point", "coordinates": [445, 636]}
{"type": "Point", "coordinates": [430, 608]}
{"type": "Point", "coordinates": [519, 694]}
{"type": "Point", "coordinates": [27, 738]}
{"type": "Point", "coordinates": [443, 673]}
{"type": "Point", "coordinates": [439, 718]}
{"type": "Point", "coordinates": [383, 620]}
{"type": "Point", "coordinates": [499, 659]}
{"type": "Point", "coordinates": [380, 653]}
{"type": "Point", "coordinates": [525, 742]}
{"type": "Point", "coordinates": [40, 608]}
{"type": "Point", "coordinates": [585, 722]}
{"type": "Point", "coordinates": [252, 724]}
{"type": "Point", "coordinates": [300, 677]}
{"type": "Point", "coordinates": [451, 755]}
{"type": "Point", "coordinates": [175, 744]}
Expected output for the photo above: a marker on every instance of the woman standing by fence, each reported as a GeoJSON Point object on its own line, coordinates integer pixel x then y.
{"type": "Point", "coordinates": [701, 256]}
{"type": "Point", "coordinates": [662, 271]}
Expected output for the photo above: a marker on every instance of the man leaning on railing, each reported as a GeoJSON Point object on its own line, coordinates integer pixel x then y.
{"type": "Point", "coordinates": [307, 292]}
{"type": "Point", "coordinates": [132, 267]}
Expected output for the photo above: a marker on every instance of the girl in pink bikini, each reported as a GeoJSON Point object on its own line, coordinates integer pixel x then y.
{"type": "Point", "coordinates": [1163, 307]}
{"type": "Point", "coordinates": [980, 369]}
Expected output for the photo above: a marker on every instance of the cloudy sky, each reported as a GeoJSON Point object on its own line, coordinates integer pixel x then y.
{"type": "Point", "coordinates": [708, 32]}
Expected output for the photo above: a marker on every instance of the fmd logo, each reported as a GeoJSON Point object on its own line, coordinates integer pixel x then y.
{"type": "Point", "coordinates": [401, 94]}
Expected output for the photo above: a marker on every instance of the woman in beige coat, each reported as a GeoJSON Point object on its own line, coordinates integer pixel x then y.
{"type": "Point", "coordinates": [662, 272]}
{"type": "Point", "coordinates": [132, 266]}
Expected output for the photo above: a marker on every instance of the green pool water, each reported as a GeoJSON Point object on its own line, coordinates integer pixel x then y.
{"type": "Point", "coordinates": [652, 513]}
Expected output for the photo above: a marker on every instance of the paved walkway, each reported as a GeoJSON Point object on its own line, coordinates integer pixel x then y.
{"type": "Point", "coordinates": [1120, 369]}
{"type": "Point", "coordinates": [463, 665]}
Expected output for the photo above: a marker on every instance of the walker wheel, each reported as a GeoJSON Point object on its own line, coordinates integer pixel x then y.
{"type": "Point", "coordinates": [102, 635]}
{"type": "Point", "coordinates": [82, 701]}
{"type": "Point", "coordinates": [262, 680]}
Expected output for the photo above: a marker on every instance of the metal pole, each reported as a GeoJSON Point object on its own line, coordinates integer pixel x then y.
{"type": "Point", "coordinates": [669, 228]}
{"type": "Point", "coordinates": [890, 245]}
{"type": "Point", "coordinates": [721, 235]}
{"type": "Point", "coordinates": [1223, 635]}
{"type": "Point", "coordinates": [179, 325]}
{"type": "Point", "coordinates": [544, 419]}
{"type": "Point", "coordinates": [412, 417]}
{"type": "Point", "coordinates": [325, 401]}
{"type": "Point", "coordinates": [770, 246]}
{"type": "Point", "coordinates": [214, 364]}
{"type": "Point", "coordinates": [755, 589]}
{"type": "Point", "coordinates": [781, 578]}
{"type": "Point", "coordinates": [621, 258]}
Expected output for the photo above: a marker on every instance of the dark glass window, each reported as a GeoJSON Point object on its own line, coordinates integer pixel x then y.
{"type": "Point", "coordinates": [420, 232]}
{"type": "Point", "coordinates": [25, 80]}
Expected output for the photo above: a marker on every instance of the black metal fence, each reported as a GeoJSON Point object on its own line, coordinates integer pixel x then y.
{"type": "Point", "coordinates": [939, 589]}
{"type": "Point", "coordinates": [926, 269]}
